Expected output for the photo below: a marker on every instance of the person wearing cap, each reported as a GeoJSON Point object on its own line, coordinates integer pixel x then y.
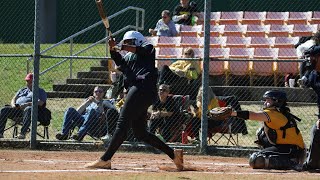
{"type": "Point", "coordinates": [312, 79]}
{"type": "Point", "coordinates": [21, 105]}
{"type": "Point", "coordinates": [164, 113]}
{"type": "Point", "coordinates": [140, 74]}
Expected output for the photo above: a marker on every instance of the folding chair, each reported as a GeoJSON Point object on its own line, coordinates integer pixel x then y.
{"type": "Point", "coordinates": [231, 128]}
{"type": "Point", "coordinates": [18, 122]}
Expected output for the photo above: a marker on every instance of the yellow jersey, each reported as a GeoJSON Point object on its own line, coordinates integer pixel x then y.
{"type": "Point", "coordinates": [276, 120]}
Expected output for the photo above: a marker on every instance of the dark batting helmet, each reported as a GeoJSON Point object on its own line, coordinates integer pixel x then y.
{"type": "Point", "coordinates": [279, 97]}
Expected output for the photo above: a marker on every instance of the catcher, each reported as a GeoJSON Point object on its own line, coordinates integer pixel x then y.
{"type": "Point", "coordinates": [280, 139]}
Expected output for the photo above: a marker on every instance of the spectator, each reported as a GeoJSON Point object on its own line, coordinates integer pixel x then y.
{"type": "Point", "coordinates": [180, 72]}
{"type": "Point", "coordinates": [89, 117]}
{"type": "Point", "coordinates": [164, 113]}
{"type": "Point", "coordinates": [196, 112]}
{"type": "Point", "coordinates": [186, 13]}
{"type": "Point", "coordinates": [165, 26]}
{"type": "Point", "coordinates": [21, 105]}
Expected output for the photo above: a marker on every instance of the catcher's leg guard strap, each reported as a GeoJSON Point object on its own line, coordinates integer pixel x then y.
{"type": "Point", "coordinates": [243, 114]}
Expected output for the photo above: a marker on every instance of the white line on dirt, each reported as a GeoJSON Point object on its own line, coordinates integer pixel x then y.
{"type": "Point", "coordinates": [139, 171]}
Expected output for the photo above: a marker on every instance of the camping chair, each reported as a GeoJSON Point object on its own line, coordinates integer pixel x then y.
{"type": "Point", "coordinates": [230, 128]}
{"type": "Point", "coordinates": [17, 121]}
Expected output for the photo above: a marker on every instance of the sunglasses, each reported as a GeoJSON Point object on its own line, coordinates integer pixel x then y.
{"type": "Point", "coordinates": [187, 53]}
{"type": "Point", "coordinates": [162, 90]}
{"type": "Point", "coordinates": [98, 91]}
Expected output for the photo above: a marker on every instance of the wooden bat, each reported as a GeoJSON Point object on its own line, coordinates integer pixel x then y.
{"type": "Point", "coordinates": [103, 16]}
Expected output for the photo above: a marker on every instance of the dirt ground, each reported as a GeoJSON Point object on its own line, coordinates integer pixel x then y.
{"type": "Point", "coordinates": [22, 164]}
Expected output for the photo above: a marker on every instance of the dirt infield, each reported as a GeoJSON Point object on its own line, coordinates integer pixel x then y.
{"type": "Point", "coordinates": [19, 164]}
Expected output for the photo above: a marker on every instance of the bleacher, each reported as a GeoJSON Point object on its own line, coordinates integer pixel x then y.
{"type": "Point", "coordinates": [245, 35]}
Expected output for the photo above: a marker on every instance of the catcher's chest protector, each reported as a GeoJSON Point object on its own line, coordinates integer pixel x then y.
{"type": "Point", "coordinates": [313, 159]}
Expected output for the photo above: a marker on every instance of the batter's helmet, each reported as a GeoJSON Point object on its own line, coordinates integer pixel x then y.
{"type": "Point", "coordinates": [135, 35]}
{"type": "Point", "coordinates": [279, 97]}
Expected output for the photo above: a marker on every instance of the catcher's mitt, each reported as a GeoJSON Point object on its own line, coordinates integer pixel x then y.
{"type": "Point", "coordinates": [220, 113]}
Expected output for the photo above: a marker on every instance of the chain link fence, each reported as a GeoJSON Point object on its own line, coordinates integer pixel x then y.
{"type": "Point", "coordinates": [251, 51]}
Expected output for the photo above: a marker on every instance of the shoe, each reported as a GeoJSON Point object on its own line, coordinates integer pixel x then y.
{"type": "Point", "coordinates": [99, 164]}
{"type": "Point", "coordinates": [106, 138]}
{"type": "Point", "coordinates": [76, 137]}
{"type": "Point", "coordinates": [61, 136]}
{"type": "Point", "coordinates": [178, 159]}
{"type": "Point", "coordinates": [21, 136]}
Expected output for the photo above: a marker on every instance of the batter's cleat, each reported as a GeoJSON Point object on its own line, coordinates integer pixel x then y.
{"type": "Point", "coordinates": [99, 164]}
{"type": "Point", "coordinates": [178, 159]}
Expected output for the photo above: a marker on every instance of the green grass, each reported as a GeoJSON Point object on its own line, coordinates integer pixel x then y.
{"type": "Point", "coordinates": [14, 69]}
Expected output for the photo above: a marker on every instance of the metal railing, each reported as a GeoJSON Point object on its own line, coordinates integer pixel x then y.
{"type": "Point", "coordinates": [139, 25]}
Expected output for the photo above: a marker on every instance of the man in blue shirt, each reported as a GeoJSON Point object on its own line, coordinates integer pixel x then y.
{"type": "Point", "coordinates": [165, 26]}
{"type": "Point", "coordinates": [21, 105]}
{"type": "Point", "coordinates": [88, 117]}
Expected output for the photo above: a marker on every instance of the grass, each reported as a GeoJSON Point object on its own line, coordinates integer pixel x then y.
{"type": "Point", "coordinates": [14, 69]}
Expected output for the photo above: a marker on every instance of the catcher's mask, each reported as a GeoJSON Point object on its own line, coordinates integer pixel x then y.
{"type": "Point", "coordinates": [279, 97]}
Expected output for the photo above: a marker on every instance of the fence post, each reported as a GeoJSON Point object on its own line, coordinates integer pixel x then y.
{"type": "Point", "coordinates": [35, 82]}
{"type": "Point", "coordinates": [205, 77]}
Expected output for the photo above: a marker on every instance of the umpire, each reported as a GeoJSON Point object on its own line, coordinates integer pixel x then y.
{"type": "Point", "coordinates": [313, 80]}
{"type": "Point", "coordinates": [140, 74]}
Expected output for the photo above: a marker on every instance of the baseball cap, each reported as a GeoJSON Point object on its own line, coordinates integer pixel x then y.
{"type": "Point", "coordinates": [29, 77]}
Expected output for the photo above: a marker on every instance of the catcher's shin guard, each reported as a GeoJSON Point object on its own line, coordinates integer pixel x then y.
{"type": "Point", "coordinates": [261, 161]}
{"type": "Point", "coordinates": [258, 161]}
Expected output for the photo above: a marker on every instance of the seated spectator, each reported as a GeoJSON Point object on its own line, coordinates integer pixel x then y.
{"type": "Point", "coordinates": [196, 112]}
{"type": "Point", "coordinates": [89, 117]}
{"type": "Point", "coordinates": [180, 72]}
{"type": "Point", "coordinates": [165, 26]}
{"type": "Point", "coordinates": [186, 13]}
{"type": "Point", "coordinates": [164, 115]}
{"type": "Point", "coordinates": [20, 107]}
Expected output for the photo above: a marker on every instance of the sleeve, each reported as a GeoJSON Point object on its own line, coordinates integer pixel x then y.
{"type": "Point", "coordinates": [108, 105]}
{"type": "Point", "coordinates": [176, 11]}
{"type": "Point", "coordinates": [145, 50]}
{"type": "Point", "coordinates": [173, 29]}
{"type": "Point", "coordinates": [117, 58]}
{"type": "Point", "coordinates": [18, 93]}
{"type": "Point", "coordinates": [157, 26]}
